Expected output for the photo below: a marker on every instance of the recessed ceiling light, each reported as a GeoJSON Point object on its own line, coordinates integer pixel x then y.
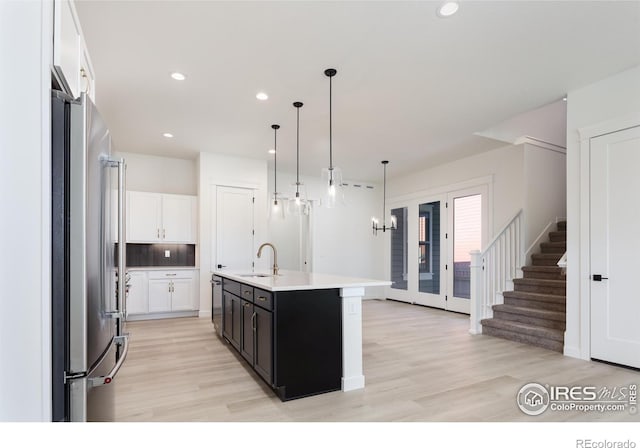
{"type": "Point", "coordinates": [178, 76]}
{"type": "Point", "coordinates": [448, 9]}
{"type": "Point", "coordinates": [272, 151]}
{"type": "Point", "coordinates": [262, 96]}
{"type": "Point", "coordinates": [167, 135]}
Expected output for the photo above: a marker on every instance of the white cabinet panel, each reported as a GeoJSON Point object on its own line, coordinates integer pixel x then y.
{"type": "Point", "coordinates": [177, 218]}
{"type": "Point", "coordinates": [159, 295]}
{"type": "Point", "coordinates": [144, 217]}
{"type": "Point", "coordinates": [138, 296]}
{"type": "Point", "coordinates": [182, 294]}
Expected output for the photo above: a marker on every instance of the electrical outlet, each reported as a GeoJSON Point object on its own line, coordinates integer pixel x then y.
{"type": "Point", "coordinates": [167, 253]}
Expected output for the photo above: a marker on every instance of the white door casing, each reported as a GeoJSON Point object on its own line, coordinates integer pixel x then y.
{"type": "Point", "coordinates": [614, 244]}
{"type": "Point", "coordinates": [235, 246]}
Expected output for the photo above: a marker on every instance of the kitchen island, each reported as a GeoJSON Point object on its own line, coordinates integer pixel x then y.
{"type": "Point", "coordinates": [301, 332]}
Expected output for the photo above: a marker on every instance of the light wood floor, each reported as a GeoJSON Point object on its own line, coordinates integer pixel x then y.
{"type": "Point", "coordinates": [420, 364]}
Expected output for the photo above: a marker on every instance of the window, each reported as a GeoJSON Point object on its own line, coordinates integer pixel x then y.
{"type": "Point", "coordinates": [424, 242]}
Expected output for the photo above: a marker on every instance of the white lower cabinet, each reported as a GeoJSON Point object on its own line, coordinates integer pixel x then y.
{"type": "Point", "coordinates": [155, 292]}
{"type": "Point", "coordinates": [159, 295]}
{"type": "Point", "coordinates": [138, 293]}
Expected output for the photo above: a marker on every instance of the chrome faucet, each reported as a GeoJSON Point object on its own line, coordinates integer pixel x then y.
{"type": "Point", "coordinates": [275, 256]}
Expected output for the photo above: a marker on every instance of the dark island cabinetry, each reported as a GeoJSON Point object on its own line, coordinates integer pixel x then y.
{"type": "Point", "coordinates": [292, 339]}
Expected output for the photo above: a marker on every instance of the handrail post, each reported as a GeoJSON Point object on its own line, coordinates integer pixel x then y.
{"type": "Point", "coordinates": [477, 296]}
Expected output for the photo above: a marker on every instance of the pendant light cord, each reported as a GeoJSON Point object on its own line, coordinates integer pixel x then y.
{"type": "Point", "coordinates": [298, 151]}
{"type": "Point", "coordinates": [275, 164]}
{"type": "Point", "coordinates": [384, 196]}
{"type": "Point", "coordinates": [330, 127]}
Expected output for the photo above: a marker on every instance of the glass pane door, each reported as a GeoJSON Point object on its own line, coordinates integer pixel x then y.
{"type": "Point", "coordinates": [399, 256]}
{"type": "Point", "coordinates": [429, 247]}
{"type": "Point", "coordinates": [467, 236]}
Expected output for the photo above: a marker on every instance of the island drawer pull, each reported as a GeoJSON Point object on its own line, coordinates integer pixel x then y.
{"type": "Point", "coordinates": [247, 293]}
{"type": "Point", "coordinates": [262, 298]}
{"type": "Point", "coordinates": [246, 305]}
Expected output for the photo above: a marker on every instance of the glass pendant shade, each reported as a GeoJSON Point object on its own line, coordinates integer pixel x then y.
{"type": "Point", "coordinates": [298, 203]}
{"type": "Point", "coordinates": [276, 208]}
{"type": "Point", "coordinates": [334, 191]}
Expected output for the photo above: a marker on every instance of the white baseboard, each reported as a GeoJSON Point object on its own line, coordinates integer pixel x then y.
{"type": "Point", "coordinates": [574, 352]}
{"type": "Point", "coordinates": [167, 315]}
{"type": "Point", "coordinates": [204, 313]}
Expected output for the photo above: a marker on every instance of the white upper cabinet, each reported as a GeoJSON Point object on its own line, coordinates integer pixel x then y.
{"type": "Point", "coordinates": [166, 218]}
{"type": "Point", "coordinates": [178, 218]}
{"type": "Point", "coordinates": [70, 53]}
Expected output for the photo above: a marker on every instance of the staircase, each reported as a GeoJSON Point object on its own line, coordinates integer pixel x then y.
{"type": "Point", "coordinates": [534, 313]}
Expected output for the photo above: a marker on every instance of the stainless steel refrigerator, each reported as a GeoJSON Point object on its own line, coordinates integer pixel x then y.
{"type": "Point", "coordinates": [88, 265]}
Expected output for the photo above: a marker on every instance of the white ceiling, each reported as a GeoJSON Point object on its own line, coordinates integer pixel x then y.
{"type": "Point", "coordinates": [411, 87]}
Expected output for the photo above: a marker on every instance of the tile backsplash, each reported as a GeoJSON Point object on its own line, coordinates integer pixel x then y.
{"type": "Point", "coordinates": [155, 255]}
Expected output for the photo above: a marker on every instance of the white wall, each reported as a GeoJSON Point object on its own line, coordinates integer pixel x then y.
{"type": "Point", "coordinates": [505, 165]}
{"type": "Point", "coordinates": [25, 201]}
{"type": "Point", "coordinates": [160, 174]}
{"type": "Point", "coordinates": [545, 187]}
{"type": "Point", "coordinates": [547, 123]}
{"type": "Point", "coordinates": [343, 243]}
{"type": "Point", "coordinates": [217, 169]}
{"type": "Point", "coordinates": [615, 99]}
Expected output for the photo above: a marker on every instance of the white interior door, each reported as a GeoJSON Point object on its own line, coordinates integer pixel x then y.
{"type": "Point", "coordinates": [615, 244]}
{"type": "Point", "coordinates": [235, 248]}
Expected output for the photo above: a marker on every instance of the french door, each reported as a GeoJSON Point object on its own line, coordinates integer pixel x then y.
{"type": "Point", "coordinates": [429, 250]}
{"type": "Point", "coordinates": [467, 229]}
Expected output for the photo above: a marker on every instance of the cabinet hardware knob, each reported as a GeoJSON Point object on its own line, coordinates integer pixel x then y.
{"type": "Point", "coordinates": [262, 298]}
{"type": "Point", "coordinates": [247, 293]}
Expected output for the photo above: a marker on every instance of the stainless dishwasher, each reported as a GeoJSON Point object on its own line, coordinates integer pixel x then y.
{"type": "Point", "coordinates": [216, 303]}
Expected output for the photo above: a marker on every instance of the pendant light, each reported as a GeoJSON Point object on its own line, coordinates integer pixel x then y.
{"type": "Point", "coordinates": [374, 221]}
{"type": "Point", "coordinates": [277, 209]}
{"type": "Point", "coordinates": [332, 176]}
{"type": "Point", "coordinates": [299, 204]}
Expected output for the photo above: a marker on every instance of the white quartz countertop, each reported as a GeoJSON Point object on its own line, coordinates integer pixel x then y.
{"type": "Point", "coordinates": [296, 280]}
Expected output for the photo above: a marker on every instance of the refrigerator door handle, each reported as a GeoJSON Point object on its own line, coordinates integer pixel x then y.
{"type": "Point", "coordinates": [121, 311]}
{"type": "Point", "coordinates": [107, 379]}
